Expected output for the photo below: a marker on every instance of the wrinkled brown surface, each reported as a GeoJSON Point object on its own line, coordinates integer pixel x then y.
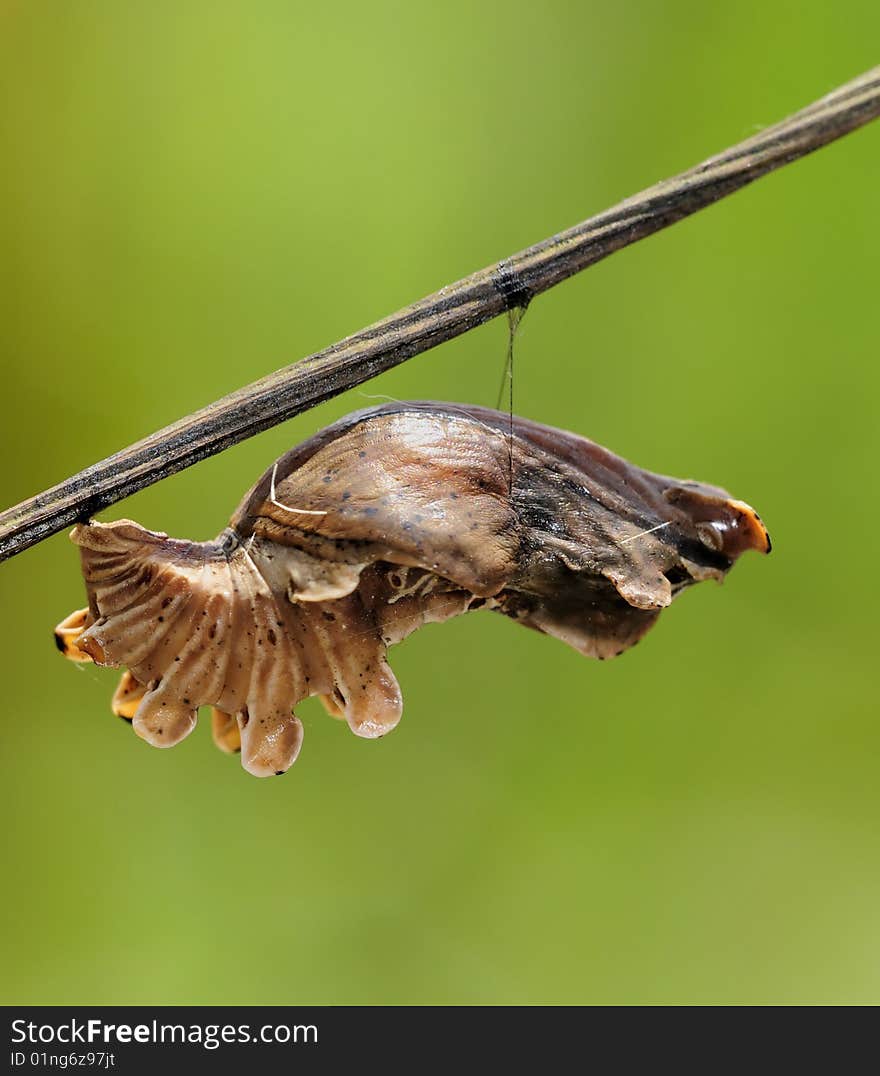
{"type": "Point", "coordinates": [389, 519]}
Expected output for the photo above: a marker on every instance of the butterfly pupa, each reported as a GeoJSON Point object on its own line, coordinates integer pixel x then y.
{"type": "Point", "coordinates": [393, 517]}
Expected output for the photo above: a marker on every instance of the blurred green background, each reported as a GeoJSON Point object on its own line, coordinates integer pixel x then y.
{"type": "Point", "coordinates": [194, 194]}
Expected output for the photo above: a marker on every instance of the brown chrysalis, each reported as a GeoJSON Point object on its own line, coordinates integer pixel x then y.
{"type": "Point", "coordinates": [391, 518]}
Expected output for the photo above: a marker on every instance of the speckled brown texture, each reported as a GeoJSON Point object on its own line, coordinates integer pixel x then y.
{"type": "Point", "coordinates": [389, 519]}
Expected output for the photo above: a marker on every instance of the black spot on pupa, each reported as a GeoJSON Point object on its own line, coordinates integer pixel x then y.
{"type": "Point", "coordinates": [676, 574]}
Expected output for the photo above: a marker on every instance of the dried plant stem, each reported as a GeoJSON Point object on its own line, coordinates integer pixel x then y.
{"type": "Point", "coordinates": [448, 313]}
